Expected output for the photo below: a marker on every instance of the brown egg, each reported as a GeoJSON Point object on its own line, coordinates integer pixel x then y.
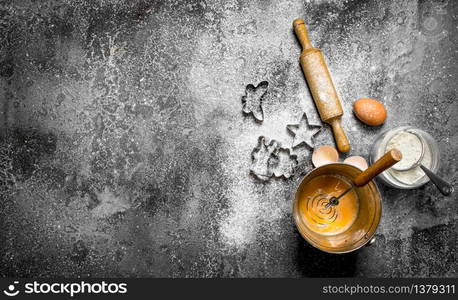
{"type": "Point", "coordinates": [324, 155]}
{"type": "Point", "coordinates": [370, 111]}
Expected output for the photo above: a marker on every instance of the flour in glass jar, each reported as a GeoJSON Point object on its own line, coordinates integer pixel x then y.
{"type": "Point", "coordinates": [411, 148]}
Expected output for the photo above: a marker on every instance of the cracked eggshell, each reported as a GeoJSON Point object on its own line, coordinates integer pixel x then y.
{"type": "Point", "coordinates": [370, 111]}
{"type": "Point", "coordinates": [357, 161]}
{"type": "Point", "coordinates": [324, 155]}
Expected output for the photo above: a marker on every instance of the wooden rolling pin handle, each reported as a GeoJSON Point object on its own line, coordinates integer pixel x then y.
{"type": "Point", "coordinates": [383, 163]}
{"type": "Point", "coordinates": [343, 145]}
{"type": "Point", "coordinates": [301, 33]}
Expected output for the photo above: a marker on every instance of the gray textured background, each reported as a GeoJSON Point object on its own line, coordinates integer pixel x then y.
{"type": "Point", "coordinates": [125, 152]}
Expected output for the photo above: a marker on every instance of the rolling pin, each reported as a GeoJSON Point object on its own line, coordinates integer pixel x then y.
{"type": "Point", "coordinates": [321, 86]}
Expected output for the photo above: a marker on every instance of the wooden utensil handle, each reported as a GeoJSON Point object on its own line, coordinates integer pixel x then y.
{"type": "Point", "coordinates": [343, 145]}
{"type": "Point", "coordinates": [301, 33]}
{"type": "Point", "coordinates": [383, 163]}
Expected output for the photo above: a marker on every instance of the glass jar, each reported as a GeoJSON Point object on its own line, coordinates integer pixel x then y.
{"type": "Point", "coordinates": [415, 177]}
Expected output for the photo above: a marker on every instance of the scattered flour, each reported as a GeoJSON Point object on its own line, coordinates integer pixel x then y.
{"type": "Point", "coordinates": [239, 228]}
{"type": "Point", "coordinates": [217, 90]}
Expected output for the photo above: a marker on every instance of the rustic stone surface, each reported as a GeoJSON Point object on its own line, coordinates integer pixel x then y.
{"type": "Point", "coordinates": [125, 152]}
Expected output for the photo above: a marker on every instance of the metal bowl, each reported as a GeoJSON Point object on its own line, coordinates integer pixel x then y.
{"type": "Point", "coordinates": [368, 217]}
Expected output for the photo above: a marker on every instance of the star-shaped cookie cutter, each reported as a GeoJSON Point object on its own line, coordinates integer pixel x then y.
{"type": "Point", "coordinates": [304, 132]}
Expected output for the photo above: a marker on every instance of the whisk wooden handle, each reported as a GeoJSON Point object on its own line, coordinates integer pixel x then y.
{"type": "Point", "coordinates": [383, 163]}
